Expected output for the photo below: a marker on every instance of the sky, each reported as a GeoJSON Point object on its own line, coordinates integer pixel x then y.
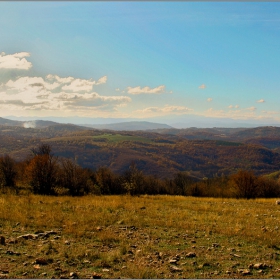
{"type": "Point", "coordinates": [141, 60]}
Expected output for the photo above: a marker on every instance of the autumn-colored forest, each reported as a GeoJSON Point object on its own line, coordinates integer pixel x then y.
{"type": "Point", "coordinates": [44, 173]}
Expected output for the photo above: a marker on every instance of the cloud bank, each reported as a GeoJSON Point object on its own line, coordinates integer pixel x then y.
{"type": "Point", "coordinates": [15, 61]}
{"type": "Point", "coordinates": [166, 110]}
{"type": "Point", "coordinates": [146, 90]}
{"type": "Point", "coordinates": [52, 93]}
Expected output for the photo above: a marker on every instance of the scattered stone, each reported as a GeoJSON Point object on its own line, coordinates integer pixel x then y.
{"type": "Point", "coordinates": [99, 228]}
{"type": "Point", "coordinates": [260, 266]}
{"type": "Point", "coordinates": [36, 266]}
{"type": "Point", "coordinates": [105, 270]}
{"type": "Point", "coordinates": [2, 240]}
{"type": "Point", "coordinates": [173, 261]}
{"type": "Point", "coordinates": [235, 255]}
{"type": "Point", "coordinates": [244, 271]}
{"type": "Point", "coordinates": [174, 268]}
{"type": "Point", "coordinates": [193, 241]}
{"type": "Point", "coordinates": [96, 276]}
{"type": "Point", "coordinates": [191, 255]}
{"type": "Point", "coordinates": [46, 234]}
{"type": "Point", "coordinates": [44, 274]}
{"type": "Point", "coordinates": [67, 242]}
{"type": "Point", "coordinates": [28, 236]}
{"type": "Point", "coordinates": [24, 273]}
{"type": "Point", "coordinates": [228, 272]}
{"type": "Point", "coordinates": [73, 275]}
{"type": "Point", "coordinates": [86, 261]}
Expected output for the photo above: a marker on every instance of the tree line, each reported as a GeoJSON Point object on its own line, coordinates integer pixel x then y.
{"type": "Point", "coordinates": [45, 174]}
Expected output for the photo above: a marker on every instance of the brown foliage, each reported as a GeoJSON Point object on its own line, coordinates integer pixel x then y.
{"type": "Point", "coordinates": [42, 173]}
{"type": "Point", "coordinates": [8, 171]}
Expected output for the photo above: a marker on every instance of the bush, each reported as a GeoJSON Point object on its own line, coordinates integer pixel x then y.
{"type": "Point", "coordinates": [246, 184]}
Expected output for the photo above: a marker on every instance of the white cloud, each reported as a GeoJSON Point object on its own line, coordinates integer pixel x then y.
{"type": "Point", "coordinates": [79, 85]}
{"type": "Point", "coordinates": [203, 86]}
{"type": "Point", "coordinates": [59, 79]}
{"type": "Point", "coordinates": [209, 99]}
{"type": "Point", "coordinates": [261, 101]}
{"type": "Point", "coordinates": [102, 80]}
{"type": "Point", "coordinates": [166, 110]}
{"type": "Point", "coordinates": [90, 99]}
{"type": "Point", "coordinates": [270, 112]}
{"type": "Point", "coordinates": [234, 113]}
{"type": "Point", "coordinates": [231, 106]}
{"type": "Point", "coordinates": [15, 61]}
{"type": "Point", "coordinates": [56, 93]}
{"type": "Point", "coordinates": [146, 90]}
{"type": "Point", "coordinates": [252, 108]}
{"type": "Point", "coordinates": [24, 83]}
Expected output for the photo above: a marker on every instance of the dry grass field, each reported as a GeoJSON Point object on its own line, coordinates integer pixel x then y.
{"type": "Point", "coordinates": [138, 237]}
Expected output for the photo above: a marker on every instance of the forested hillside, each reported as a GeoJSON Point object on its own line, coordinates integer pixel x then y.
{"type": "Point", "coordinates": [208, 153]}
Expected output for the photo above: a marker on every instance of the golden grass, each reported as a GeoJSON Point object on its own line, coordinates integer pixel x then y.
{"type": "Point", "coordinates": [136, 237]}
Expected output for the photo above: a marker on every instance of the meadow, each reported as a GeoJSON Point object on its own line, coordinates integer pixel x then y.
{"type": "Point", "coordinates": [138, 237]}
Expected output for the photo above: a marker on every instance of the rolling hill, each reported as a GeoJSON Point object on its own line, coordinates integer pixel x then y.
{"type": "Point", "coordinates": [199, 152]}
{"type": "Point", "coordinates": [153, 153]}
{"type": "Point", "coordinates": [131, 126]}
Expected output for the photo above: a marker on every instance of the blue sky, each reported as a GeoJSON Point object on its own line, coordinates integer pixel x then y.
{"type": "Point", "coordinates": [141, 60]}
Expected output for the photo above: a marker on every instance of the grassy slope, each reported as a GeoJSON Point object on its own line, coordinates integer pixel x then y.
{"type": "Point", "coordinates": [135, 237]}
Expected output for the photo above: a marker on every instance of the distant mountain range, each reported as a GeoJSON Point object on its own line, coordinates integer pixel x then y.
{"type": "Point", "coordinates": [125, 126]}
{"type": "Point", "coordinates": [186, 121]}
{"type": "Point", "coordinates": [131, 126]}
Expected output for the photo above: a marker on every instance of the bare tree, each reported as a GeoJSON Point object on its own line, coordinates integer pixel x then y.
{"type": "Point", "coordinates": [246, 184]}
{"type": "Point", "coordinates": [43, 149]}
{"type": "Point", "coordinates": [74, 178]}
